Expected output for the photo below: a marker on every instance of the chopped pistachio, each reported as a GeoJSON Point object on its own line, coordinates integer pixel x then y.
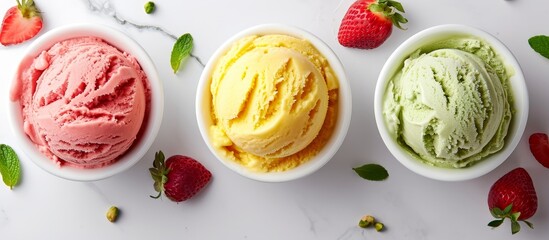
{"type": "Point", "coordinates": [379, 226]}
{"type": "Point", "coordinates": [149, 7]}
{"type": "Point", "coordinates": [112, 213]}
{"type": "Point", "coordinates": [366, 221]}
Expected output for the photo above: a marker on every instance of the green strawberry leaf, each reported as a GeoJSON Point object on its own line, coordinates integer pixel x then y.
{"type": "Point", "coordinates": [497, 212]}
{"type": "Point", "coordinates": [515, 216]}
{"type": "Point", "coordinates": [372, 172]}
{"type": "Point", "coordinates": [158, 188]}
{"type": "Point", "coordinates": [397, 19]}
{"type": "Point", "coordinates": [540, 44]}
{"type": "Point", "coordinates": [530, 225]}
{"type": "Point", "coordinates": [496, 223]}
{"type": "Point", "coordinates": [181, 49]}
{"type": "Point", "coordinates": [155, 174]}
{"type": "Point", "coordinates": [391, 10]}
{"type": "Point", "coordinates": [158, 159]}
{"type": "Point", "coordinates": [507, 209]}
{"type": "Point", "coordinates": [9, 166]}
{"type": "Point", "coordinates": [376, 7]}
{"type": "Point", "coordinates": [158, 173]}
{"type": "Point", "coordinates": [396, 5]}
{"type": "Point", "coordinates": [515, 227]}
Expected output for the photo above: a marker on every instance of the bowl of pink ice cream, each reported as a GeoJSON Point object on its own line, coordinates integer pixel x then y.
{"type": "Point", "coordinates": [86, 102]}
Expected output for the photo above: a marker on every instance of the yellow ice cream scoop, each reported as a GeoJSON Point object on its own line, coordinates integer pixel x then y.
{"type": "Point", "coordinates": [270, 98]}
{"type": "Point", "coordinates": [271, 102]}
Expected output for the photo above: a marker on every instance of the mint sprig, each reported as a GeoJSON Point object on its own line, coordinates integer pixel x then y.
{"type": "Point", "coordinates": [181, 49]}
{"type": "Point", "coordinates": [9, 166]}
{"type": "Point", "coordinates": [540, 44]}
{"type": "Point", "coordinates": [372, 172]}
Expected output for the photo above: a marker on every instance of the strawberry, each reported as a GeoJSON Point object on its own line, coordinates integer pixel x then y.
{"type": "Point", "coordinates": [539, 146]}
{"type": "Point", "coordinates": [368, 23]}
{"type": "Point", "coordinates": [180, 177]}
{"type": "Point", "coordinates": [513, 196]}
{"type": "Point", "coordinates": [20, 23]}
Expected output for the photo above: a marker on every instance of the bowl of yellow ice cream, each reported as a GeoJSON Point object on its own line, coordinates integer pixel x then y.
{"type": "Point", "coordinates": [273, 103]}
{"type": "Point", "coordinates": [451, 103]}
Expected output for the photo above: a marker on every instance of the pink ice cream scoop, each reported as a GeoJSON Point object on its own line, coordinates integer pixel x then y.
{"type": "Point", "coordinates": [83, 101]}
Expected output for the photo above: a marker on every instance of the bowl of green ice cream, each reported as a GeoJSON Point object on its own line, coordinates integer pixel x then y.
{"type": "Point", "coordinates": [451, 103]}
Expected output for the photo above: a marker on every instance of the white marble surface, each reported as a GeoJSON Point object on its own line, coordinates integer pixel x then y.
{"type": "Point", "coordinates": [324, 205]}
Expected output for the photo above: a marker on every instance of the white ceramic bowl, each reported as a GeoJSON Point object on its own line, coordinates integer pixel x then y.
{"type": "Point", "coordinates": [140, 146]}
{"type": "Point", "coordinates": [344, 115]}
{"type": "Point", "coordinates": [518, 90]}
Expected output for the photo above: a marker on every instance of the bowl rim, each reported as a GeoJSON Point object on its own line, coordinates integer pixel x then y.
{"type": "Point", "coordinates": [139, 148]}
{"type": "Point", "coordinates": [344, 107]}
{"type": "Point", "coordinates": [516, 82]}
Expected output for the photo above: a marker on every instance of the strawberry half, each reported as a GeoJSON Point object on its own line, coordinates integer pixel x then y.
{"type": "Point", "coordinates": [180, 177]}
{"type": "Point", "coordinates": [513, 196]}
{"type": "Point", "coordinates": [539, 146]}
{"type": "Point", "coordinates": [368, 23]}
{"type": "Point", "coordinates": [20, 23]}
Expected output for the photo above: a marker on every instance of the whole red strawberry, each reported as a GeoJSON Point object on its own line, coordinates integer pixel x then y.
{"type": "Point", "coordinates": [20, 23]}
{"type": "Point", "coordinates": [368, 23]}
{"type": "Point", "coordinates": [180, 177]}
{"type": "Point", "coordinates": [539, 146]}
{"type": "Point", "coordinates": [513, 196]}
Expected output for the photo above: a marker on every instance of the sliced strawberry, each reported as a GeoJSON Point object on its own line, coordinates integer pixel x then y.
{"type": "Point", "coordinates": [539, 146]}
{"type": "Point", "coordinates": [20, 23]}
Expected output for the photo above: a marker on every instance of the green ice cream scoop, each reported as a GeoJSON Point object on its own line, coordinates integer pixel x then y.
{"type": "Point", "coordinates": [448, 107]}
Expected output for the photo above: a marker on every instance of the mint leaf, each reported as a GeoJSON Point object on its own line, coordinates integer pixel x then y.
{"type": "Point", "coordinates": [181, 49]}
{"type": "Point", "coordinates": [540, 44]}
{"type": "Point", "coordinates": [372, 172]}
{"type": "Point", "coordinates": [9, 166]}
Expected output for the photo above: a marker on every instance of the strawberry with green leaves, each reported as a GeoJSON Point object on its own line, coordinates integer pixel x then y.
{"type": "Point", "coordinates": [20, 23]}
{"type": "Point", "coordinates": [513, 196]}
{"type": "Point", "coordinates": [179, 177]}
{"type": "Point", "coordinates": [368, 23]}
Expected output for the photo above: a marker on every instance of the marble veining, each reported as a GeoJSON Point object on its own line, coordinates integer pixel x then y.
{"type": "Point", "coordinates": [92, 186]}
{"type": "Point", "coordinates": [310, 219]}
{"type": "Point", "coordinates": [101, 195]}
{"type": "Point", "coordinates": [351, 232]}
{"type": "Point", "coordinates": [3, 218]}
{"type": "Point", "coordinates": [325, 205]}
{"type": "Point", "coordinates": [106, 8]}
{"type": "Point", "coordinates": [410, 229]}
